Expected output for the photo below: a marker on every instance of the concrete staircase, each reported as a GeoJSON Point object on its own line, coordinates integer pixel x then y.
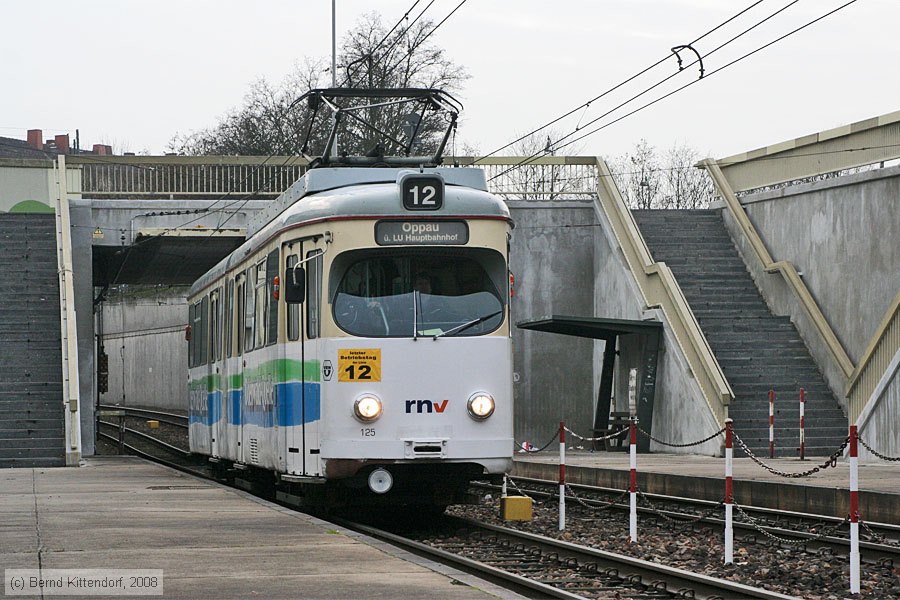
{"type": "Point", "coordinates": [757, 350]}
{"type": "Point", "coordinates": [31, 407]}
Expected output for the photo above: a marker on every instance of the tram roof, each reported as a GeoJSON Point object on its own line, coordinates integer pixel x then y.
{"type": "Point", "coordinates": [335, 193]}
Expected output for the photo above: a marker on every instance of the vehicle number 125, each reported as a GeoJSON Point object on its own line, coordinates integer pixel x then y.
{"type": "Point", "coordinates": [367, 432]}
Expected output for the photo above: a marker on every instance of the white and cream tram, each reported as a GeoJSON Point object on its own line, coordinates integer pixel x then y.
{"type": "Point", "coordinates": [358, 345]}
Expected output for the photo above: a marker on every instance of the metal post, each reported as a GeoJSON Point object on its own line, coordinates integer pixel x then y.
{"type": "Point", "coordinates": [503, 489]}
{"type": "Point", "coordinates": [771, 423]}
{"type": "Point", "coordinates": [122, 433]}
{"type": "Point", "coordinates": [562, 475]}
{"type": "Point", "coordinates": [334, 43]}
{"type": "Point", "coordinates": [729, 530]}
{"type": "Point", "coordinates": [854, 512]}
{"type": "Point", "coordinates": [69, 332]}
{"type": "Point", "coordinates": [632, 489]}
{"type": "Point", "coordinates": [802, 424]}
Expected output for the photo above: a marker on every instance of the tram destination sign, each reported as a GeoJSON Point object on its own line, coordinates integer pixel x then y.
{"type": "Point", "coordinates": [426, 233]}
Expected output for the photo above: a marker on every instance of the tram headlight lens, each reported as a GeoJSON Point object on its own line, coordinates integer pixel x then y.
{"type": "Point", "coordinates": [367, 408]}
{"type": "Point", "coordinates": [481, 406]}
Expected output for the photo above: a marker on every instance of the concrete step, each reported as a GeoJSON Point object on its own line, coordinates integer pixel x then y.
{"type": "Point", "coordinates": [32, 443]}
{"type": "Point", "coordinates": [30, 454]}
{"type": "Point", "coordinates": [33, 462]}
{"type": "Point", "coordinates": [28, 411]}
{"type": "Point", "coordinates": [33, 424]}
{"type": "Point", "coordinates": [10, 434]}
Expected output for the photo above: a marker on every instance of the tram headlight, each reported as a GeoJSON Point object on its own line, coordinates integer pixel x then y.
{"type": "Point", "coordinates": [367, 408]}
{"type": "Point", "coordinates": [481, 406]}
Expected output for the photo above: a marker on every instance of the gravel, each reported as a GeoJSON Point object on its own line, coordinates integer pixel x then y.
{"type": "Point", "coordinates": [700, 549]}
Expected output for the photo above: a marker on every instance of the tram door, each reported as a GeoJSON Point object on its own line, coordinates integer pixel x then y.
{"type": "Point", "coordinates": [215, 392]}
{"type": "Point", "coordinates": [302, 358]}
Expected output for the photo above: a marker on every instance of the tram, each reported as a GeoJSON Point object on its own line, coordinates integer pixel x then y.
{"type": "Point", "coordinates": [357, 346]}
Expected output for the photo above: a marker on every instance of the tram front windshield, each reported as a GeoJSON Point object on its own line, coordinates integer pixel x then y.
{"type": "Point", "coordinates": [386, 294]}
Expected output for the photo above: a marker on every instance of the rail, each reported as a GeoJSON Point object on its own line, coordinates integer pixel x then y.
{"type": "Point", "coordinates": [660, 289]}
{"type": "Point", "coordinates": [882, 348]}
{"type": "Point", "coordinates": [785, 268]}
{"type": "Point", "coordinates": [164, 417]}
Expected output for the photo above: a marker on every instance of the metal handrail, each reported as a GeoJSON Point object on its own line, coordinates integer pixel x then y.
{"type": "Point", "coordinates": [786, 268]}
{"type": "Point", "coordinates": [525, 178]}
{"type": "Point", "coordinates": [875, 361]}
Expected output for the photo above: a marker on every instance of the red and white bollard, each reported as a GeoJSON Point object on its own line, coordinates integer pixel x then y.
{"type": "Point", "coordinates": [771, 423]}
{"type": "Point", "coordinates": [562, 475]}
{"type": "Point", "coordinates": [632, 515]}
{"type": "Point", "coordinates": [854, 512]}
{"type": "Point", "coordinates": [729, 529]}
{"type": "Point", "coordinates": [802, 424]}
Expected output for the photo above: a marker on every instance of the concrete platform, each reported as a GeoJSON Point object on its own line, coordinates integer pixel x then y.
{"type": "Point", "coordinates": [211, 541]}
{"type": "Point", "coordinates": [703, 477]}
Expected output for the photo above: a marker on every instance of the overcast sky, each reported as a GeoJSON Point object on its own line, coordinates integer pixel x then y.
{"type": "Point", "coordinates": [135, 73]}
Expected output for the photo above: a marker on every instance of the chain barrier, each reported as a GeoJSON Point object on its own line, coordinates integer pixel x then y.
{"type": "Point", "coordinates": [550, 495]}
{"type": "Point", "coordinates": [877, 536]}
{"type": "Point", "coordinates": [876, 453]}
{"type": "Point", "coordinates": [831, 461]}
{"type": "Point", "coordinates": [524, 447]}
{"type": "Point", "coordinates": [685, 523]}
{"type": "Point", "coordinates": [819, 536]}
{"type": "Point", "coordinates": [604, 505]}
{"type": "Point", "coordinates": [598, 439]}
{"type": "Point", "coordinates": [704, 440]}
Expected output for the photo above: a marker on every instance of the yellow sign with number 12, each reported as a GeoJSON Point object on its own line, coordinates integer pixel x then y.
{"type": "Point", "coordinates": [359, 364]}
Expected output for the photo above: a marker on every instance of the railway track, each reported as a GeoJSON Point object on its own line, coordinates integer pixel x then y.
{"type": "Point", "coordinates": [546, 567]}
{"type": "Point", "coordinates": [538, 565]}
{"type": "Point", "coordinates": [173, 419]}
{"type": "Point", "coordinates": [769, 525]}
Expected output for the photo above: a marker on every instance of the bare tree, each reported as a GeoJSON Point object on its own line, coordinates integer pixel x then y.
{"type": "Point", "coordinates": [686, 186]}
{"type": "Point", "coordinates": [637, 174]}
{"type": "Point", "coordinates": [270, 122]}
{"type": "Point", "coordinates": [647, 180]}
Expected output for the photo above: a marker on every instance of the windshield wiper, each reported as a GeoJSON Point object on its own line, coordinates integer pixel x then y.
{"type": "Point", "coordinates": [471, 323]}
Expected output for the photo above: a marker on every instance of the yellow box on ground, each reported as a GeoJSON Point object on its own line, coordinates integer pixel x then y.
{"type": "Point", "coordinates": [153, 424]}
{"type": "Point", "coordinates": [515, 508]}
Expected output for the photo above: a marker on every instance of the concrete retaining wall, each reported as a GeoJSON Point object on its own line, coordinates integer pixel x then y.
{"type": "Point", "coordinates": [841, 234]}
{"type": "Point", "coordinates": [552, 261]}
{"type": "Point", "coordinates": [144, 338]}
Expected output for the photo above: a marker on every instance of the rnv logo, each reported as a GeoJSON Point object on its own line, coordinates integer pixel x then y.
{"type": "Point", "coordinates": [425, 406]}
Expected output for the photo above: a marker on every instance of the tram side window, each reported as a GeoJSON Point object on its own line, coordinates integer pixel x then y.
{"type": "Point", "coordinates": [229, 299]}
{"type": "Point", "coordinates": [214, 328]}
{"type": "Point", "coordinates": [241, 299]}
{"type": "Point", "coordinates": [313, 293]}
{"type": "Point", "coordinates": [259, 339]}
{"type": "Point", "coordinates": [272, 308]}
{"type": "Point", "coordinates": [249, 307]}
{"type": "Point", "coordinates": [293, 310]}
{"type": "Point", "coordinates": [204, 331]}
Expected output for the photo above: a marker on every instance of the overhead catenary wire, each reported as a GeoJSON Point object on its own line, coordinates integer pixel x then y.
{"type": "Point", "coordinates": [587, 104]}
{"type": "Point", "coordinates": [557, 145]}
{"type": "Point", "coordinates": [413, 47]}
{"type": "Point", "coordinates": [349, 77]}
{"type": "Point", "coordinates": [711, 73]}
